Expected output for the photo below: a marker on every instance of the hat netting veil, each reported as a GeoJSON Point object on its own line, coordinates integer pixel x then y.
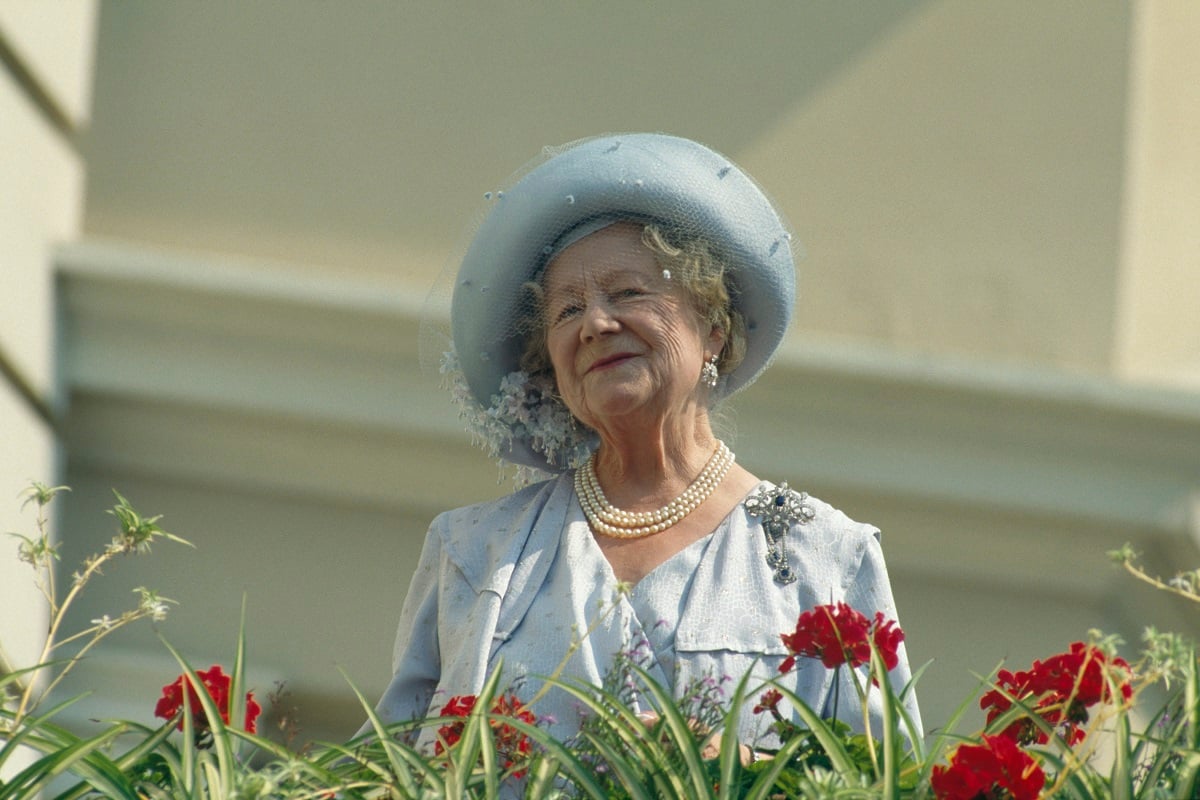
{"type": "Point", "coordinates": [474, 325]}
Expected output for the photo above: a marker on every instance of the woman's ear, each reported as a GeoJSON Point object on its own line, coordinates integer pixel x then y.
{"type": "Point", "coordinates": [716, 339]}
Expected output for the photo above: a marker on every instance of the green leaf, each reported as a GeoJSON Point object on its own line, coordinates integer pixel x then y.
{"type": "Point", "coordinates": [928, 758]}
{"type": "Point", "coordinates": [150, 741]}
{"type": "Point", "coordinates": [618, 761]}
{"type": "Point", "coordinates": [821, 729]}
{"type": "Point", "coordinates": [915, 735]}
{"type": "Point", "coordinates": [36, 726]}
{"type": "Point", "coordinates": [891, 746]}
{"type": "Point", "coordinates": [557, 754]}
{"type": "Point", "coordinates": [223, 776]}
{"type": "Point", "coordinates": [400, 758]}
{"type": "Point", "coordinates": [40, 493]}
{"type": "Point", "coordinates": [683, 737]}
{"type": "Point", "coordinates": [641, 757]}
{"type": "Point", "coordinates": [237, 682]}
{"type": "Point", "coordinates": [765, 784]}
{"type": "Point", "coordinates": [730, 760]}
{"type": "Point", "coordinates": [1121, 777]}
{"type": "Point", "coordinates": [35, 777]}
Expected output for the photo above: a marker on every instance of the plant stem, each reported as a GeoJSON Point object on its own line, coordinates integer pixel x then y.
{"type": "Point", "coordinates": [837, 689]}
{"type": "Point", "coordinates": [100, 634]}
{"type": "Point", "coordinates": [1136, 572]}
{"type": "Point", "coordinates": [57, 615]}
{"type": "Point", "coordinates": [51, 590]}
{"type": "Point", "coordinates": [864, 697]}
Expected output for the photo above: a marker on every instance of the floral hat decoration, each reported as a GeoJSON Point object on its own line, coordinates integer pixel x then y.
{"type": "Point", "coordinates": [680, 184]}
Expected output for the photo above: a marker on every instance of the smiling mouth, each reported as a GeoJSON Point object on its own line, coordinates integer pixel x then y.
{"type": "Point", "coordinates": [609, 361]}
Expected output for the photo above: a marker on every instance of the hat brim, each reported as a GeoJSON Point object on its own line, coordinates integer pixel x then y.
{"type": "Point", "coordinates": [689, 187]}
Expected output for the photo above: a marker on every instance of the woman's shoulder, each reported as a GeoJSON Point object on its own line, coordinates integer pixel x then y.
{"type": "Point", "coordinates": [786, 551]}
{"type": "Point", "coordinates": [509, 505]}
{"type": "Point", "coordinates": [835, 522]}
{"type": "Point", "coordinates": [484, 538]}
{"type": "Point", "coordinates": [779, 506]}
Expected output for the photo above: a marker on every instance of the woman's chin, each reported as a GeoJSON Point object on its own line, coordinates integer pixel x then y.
{"type": "Point", "coordinates": [616, 409]}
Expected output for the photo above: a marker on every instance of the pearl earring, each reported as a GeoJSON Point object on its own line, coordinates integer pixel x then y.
{"type": "Point", "coordinates": [708, 373]}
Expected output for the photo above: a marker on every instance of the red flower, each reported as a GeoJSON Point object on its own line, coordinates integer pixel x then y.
{"type": "Point", "coordinates": [837, 634]}
{"type": "Point", "coordinates": [1061, 689]}
{"type": "Point", "coordinates": [511, 743]}
{"type": "Point", "coordinates": [887, 637]}
{"type": "Point", "coordinates": [216, 684]}
{"type": "Point", "coordinates": [994, 770]}
{"type": "Point", "coordinates": [768, 701]}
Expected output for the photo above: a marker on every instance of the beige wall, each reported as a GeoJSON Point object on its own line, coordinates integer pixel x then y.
{"type": "Point", "coordinates": [44, 90]}
{"type": "Point", "coordinates": [957, 198]}
{"type": "Point", "coordinates": [45, 80]}
{"type": "Point", "coordinates": [1158, 331]}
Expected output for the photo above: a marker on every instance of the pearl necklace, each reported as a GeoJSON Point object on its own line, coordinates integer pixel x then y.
{"type": "Point", "coordinates": [609, 520]}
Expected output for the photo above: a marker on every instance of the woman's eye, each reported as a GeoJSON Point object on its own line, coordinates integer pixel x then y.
{"type": "Point", "coordinates": [628, 292]}
{"type": "Point", "coordinates": [566, 312]}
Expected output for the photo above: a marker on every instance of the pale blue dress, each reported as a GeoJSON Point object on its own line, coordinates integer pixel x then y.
{"type": "Point", "coordinates": [521, 582]}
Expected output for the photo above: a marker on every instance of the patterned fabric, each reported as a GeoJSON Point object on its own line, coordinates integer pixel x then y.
{"type": "Point", "coordinates": [513, 579]}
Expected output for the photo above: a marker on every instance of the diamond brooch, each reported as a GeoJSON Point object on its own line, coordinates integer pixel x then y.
{"type": "Point", "coordinates": [779, 508]}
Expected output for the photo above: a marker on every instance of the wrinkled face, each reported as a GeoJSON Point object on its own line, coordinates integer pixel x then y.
{"type": "Point", "coordinates": [623, 339]}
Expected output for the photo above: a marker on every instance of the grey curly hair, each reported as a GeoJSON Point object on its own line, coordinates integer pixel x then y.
{"type": "Point", "coordinates": [699, 271]}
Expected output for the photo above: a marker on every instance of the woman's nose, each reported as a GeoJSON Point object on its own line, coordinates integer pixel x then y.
{"type": "Point", "coordinates": [598, 320]}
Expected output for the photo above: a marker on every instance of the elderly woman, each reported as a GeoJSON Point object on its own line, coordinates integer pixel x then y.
{"type": "Point", "coordinates": [608, 300]}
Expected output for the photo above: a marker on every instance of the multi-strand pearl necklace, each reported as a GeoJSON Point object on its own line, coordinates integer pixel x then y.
{"type": "Point", "coordinates": [609, 520]}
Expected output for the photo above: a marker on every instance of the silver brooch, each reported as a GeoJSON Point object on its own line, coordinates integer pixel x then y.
{"type": "Point", "coordinates": [779, 508]}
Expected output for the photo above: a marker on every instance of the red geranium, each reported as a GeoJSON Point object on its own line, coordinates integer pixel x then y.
{"type": "Point", "coordinates": [511, 743]}
{"type": "Point", "coordinates": [994, 770]}
{"type": "Point", "coordinates": [837, 634]}
{"type": "Point", "coordinates": [769, 701]}
{"type": "Point", "coordinates": [216, 684]}
{"type": "Point", "coordinates": [1062, 689]}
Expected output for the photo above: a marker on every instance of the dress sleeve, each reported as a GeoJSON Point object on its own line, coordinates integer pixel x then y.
{"type": "Point", "coordinates": [416, 659]}
{"type": "Point", "coordinates": [869, 592]}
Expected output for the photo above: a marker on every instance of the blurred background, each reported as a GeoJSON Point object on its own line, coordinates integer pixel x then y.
{"type": "Point", "coordinates": [219, 223]}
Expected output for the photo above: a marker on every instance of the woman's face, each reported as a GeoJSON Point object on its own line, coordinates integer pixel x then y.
{"type": "Point", "coordinates": [623, 339]}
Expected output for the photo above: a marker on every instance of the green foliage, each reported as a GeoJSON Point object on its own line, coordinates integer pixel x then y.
{"type": "Point", "coordinates": [134, 535]}
{"type": "Point", "coordinates": [677, 751]}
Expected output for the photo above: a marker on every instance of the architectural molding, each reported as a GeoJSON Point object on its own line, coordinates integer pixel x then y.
{"type": "Point", "coordinates": [198, 362]}
{"type": "Point", "coordinates": [272, 381]}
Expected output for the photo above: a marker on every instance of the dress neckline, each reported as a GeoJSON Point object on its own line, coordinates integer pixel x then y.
{"type": "Point", "coordinates": [577, 518]}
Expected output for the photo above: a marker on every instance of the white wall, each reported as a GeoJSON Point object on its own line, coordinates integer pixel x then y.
{"type": "Point", "coordinates": [45, 82]}
{"type": "Point", "coordinates": [44, 90]}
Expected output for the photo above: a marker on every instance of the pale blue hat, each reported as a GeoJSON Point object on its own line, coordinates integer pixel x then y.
{"type": "Point", "coordinates": [684, 185]}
